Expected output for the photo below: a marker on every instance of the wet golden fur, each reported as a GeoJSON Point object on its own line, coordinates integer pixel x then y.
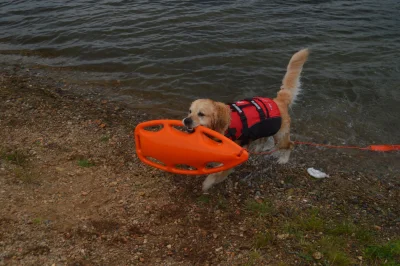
{"type": "Point", "coordinates": [217, 115]}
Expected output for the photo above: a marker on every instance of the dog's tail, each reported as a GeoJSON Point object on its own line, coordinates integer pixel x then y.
{"type": "Point", "coordinates": [291, 82]}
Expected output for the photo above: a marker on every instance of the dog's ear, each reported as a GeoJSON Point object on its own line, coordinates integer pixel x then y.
{"type": "Point", "coordinates": [221, 117]}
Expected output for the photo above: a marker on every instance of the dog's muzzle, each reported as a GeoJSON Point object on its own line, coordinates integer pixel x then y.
{"type": "Point", "coordinates": [188, 122]}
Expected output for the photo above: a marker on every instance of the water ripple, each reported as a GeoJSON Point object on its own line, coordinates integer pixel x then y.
{"type": "Point", "coordinates": [224, 50]}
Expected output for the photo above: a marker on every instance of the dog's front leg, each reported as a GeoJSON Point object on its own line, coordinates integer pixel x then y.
{"type": "Point", "coordinates": [215, 179]}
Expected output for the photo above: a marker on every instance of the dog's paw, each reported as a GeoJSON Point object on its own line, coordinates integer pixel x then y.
{"type": "Point", "coordinates": [284, 156]}
{"type": "Point", "coordinates": [283, 160]}
{"type": "Point", "coordinates": [208, 183]}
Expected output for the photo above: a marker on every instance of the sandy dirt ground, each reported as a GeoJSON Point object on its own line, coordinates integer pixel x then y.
{"type": "Point", "coordinates": [73, 192]}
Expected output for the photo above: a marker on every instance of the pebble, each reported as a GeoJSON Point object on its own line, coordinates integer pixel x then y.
{"type": "Point", "coordinates": [317, 255]}
{"type": "Point", "coordinates": [169, 246]}
{"type": "Point", "coordinates": [113, 184]}
{"type": "Point", "coordinates": [282, 236]}
{"type": "Point", "coordinates": [84, 193]}
{"type": "Point", "coordinates": [377, 227]}
{"type": "Point", "coordinates": [218, 249]}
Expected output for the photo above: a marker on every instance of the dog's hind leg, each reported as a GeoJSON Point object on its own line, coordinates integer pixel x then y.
{"type": "Point", "coordinates": [283, 143]}
{"type": "Point", "coordinates": [216, 178]}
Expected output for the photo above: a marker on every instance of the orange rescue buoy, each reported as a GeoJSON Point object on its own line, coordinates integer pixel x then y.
{"type": "Point", "coordinates": [159, 143]}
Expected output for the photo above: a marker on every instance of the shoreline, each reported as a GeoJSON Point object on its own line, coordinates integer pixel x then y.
{"type": "Point", "coordinates": [76, 194]}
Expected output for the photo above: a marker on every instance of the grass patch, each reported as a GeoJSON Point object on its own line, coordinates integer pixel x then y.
{"type": "Point", "coordinates": [311, 222]}
{"type": "Point", "coordinates": [262, 240]}
{"type": "Point", "coordinates": [365, 236]}
{"type": "Point", "coordinates": [333, 241]}
{"type": "Point", "coordinates": [222, 203]}
{"type": "Point", "coordinates": [105, 138]}
{"type": "Point", "coordinates": [26, 176]}
{"type": "Point", "coordinates": [203, 199]}
{"type": "Point", "coordinates": [255, 258]}
{"type": "Point", "coordinates": [331, 247]}
{"type": "Point", "coordinates": [343, 228]}
{"type": "Point", "coordinates": [305, 256]}
{"type": "Point", "coordinates": [85, 163]}
{"type": "Point", "coordinates": [282, 263]}
{"type": "Point", "coordinates": [16, 157]}
{"type": "Point", "coordinates": [37, 221]}
{"type": "Point", "coordinates": [386, 254]}
{"type": "Point", "coordinates": [348, 228]}
{"type": "Point", "coordinates": [308, 222]}
{"type": "Point", "coordinates": [259, 208]}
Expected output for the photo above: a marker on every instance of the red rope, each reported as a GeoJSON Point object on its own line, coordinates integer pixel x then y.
{"type": "Point", "coordinates": [329, 146]}
{"type": "Point", "coordinates": [263, 152]}
{"type": "Point", "coordinates": [257, 153]}
{"type": "Point", "coordinates": [381, 148]}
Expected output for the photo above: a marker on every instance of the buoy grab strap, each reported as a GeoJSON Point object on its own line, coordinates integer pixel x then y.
{"type": "Point", "coordinates": [161, 144]}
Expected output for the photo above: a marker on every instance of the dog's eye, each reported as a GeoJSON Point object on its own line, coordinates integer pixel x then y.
{"type": "Point", "coordinates": [190, 111]}
{"type": "Point", "coordinates": [200, 114]}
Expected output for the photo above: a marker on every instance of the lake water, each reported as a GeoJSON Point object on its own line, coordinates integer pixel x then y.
{"type": "Point", "coordinates": [169, 53]}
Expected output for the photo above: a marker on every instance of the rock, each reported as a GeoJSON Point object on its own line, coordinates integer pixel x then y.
{"type": "Point", "coordinates": [113, 184]}
{"type": "Point", "coordinates": [84, 193]}
{"type": "Point", "coordinates": [317, 255]}
{"type": "Point", "coordinates": [377, 227]}
{"type": "Point", "coordinates": [218, 249]}
{"type": "Point", "coordinates": [169, 246]}
{"type": "Point", "coordinates": [283, 236]}
{"type": "Point", "coordinates": [360, 258]}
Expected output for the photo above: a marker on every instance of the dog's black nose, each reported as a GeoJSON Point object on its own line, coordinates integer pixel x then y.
{"type": "Point", "coordinates": [187, 121]}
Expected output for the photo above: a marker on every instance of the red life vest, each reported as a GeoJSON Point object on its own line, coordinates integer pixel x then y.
{"type": "Point", "coordinates": [253, 118]}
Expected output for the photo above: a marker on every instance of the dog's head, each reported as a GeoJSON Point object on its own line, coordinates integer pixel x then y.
{"type": "Point", "coordinates": [205, 112]}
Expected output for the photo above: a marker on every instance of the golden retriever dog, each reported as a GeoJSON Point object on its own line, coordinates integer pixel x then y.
{"type": "Point", "coordinates": [219, 116]}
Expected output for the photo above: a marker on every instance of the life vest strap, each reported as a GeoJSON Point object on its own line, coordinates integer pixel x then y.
{"type": "Point", "coordinates": [231, 133]}
{"type": "Point", "coordinates": [266, 108]}
{"type": "Point", "coordinates": [258, 108]}
{"type": "Point", "coordinates": [243, 118]}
